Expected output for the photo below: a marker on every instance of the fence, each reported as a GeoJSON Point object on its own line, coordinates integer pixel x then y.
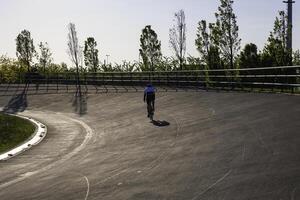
{"type": "Point", "coordinates": [285, 79]}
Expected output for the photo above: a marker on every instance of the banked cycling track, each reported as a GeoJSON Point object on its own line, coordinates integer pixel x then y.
{"type": "Point", "coordinates": [204, 145]}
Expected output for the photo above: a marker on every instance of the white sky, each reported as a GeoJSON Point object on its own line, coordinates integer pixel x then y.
{"type": "Point", "coordinates": [116, 24]}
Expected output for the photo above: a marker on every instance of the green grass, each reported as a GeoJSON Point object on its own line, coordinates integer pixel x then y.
{"type": "Point", "coordinates": [13, 131]}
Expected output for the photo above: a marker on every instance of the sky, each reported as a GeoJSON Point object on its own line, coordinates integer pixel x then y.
{"type": "Point", "coordinates": [116, 25]}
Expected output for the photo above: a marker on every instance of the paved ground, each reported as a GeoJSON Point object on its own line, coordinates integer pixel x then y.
{"type": "Point", "coordinates": [205, 145]}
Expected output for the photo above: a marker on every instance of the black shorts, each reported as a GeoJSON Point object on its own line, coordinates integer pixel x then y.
{"type": "Point", "coordinates": [150, 98]}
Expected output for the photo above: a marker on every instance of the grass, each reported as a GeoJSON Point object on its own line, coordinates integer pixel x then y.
{"type": "Point", "coordinates": [13, 131]}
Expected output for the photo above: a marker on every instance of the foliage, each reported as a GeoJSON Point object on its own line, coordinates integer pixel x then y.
{"type": "Point", "coordinates": [10, 69]}
{"type": "Point", "coordinates": [207, 42]}
{"type": "Point", "coordinates": [150, 50]}
{"type": "Point", "coordinates": [203, 41]}
{"type": "Point", "coordinates": [45, 58]}
{"type": "Point", "coordinates": [275, 52]}
{"type": "Point", "coordinates": [125, 67]}
{"type": "Point", "coordinates": [167, 64]}
{"type": "Point", "coordinates": [296, 57]}
{"type": "Point", "coordinates": [128, 66]}
{"type": "Point", "coordinates": [57, 68]}
{"type": "Point", "coordinates": [178, 37]}
{"type": "Point", "coordinates": [25, 48]}
{"type": "Point", "coordinates": [191, 60]}
{"type": "Point", "coordinates": [107, 67]}
{"type": "Point", "coordinates": [91, 54]}
{"type": "Point", "coordinates": [227, 28]}
{"type": "Point", "coordinates": [249, 57]}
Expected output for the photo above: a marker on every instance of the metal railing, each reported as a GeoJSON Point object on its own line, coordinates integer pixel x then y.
{"type": "Point", "coordinates": [284, 79]}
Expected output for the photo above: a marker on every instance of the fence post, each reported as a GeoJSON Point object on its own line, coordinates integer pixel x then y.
{"type": "Point", "coordinates": [19, 74]}
{"type": "Point", "coordinates": [1, 77]}
{"type": "Point", "coordinates": [67, 81]}
{"type": "Point", "coordinates": [176, 77]}
{"type": "Point", "coordinates": [56, 82]}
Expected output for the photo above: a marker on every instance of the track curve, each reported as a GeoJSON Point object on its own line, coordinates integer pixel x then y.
{"type": "Point", "coordinates": [213, 146]}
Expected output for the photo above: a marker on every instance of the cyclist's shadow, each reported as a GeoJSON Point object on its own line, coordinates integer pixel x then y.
{"type": "Point", "coordinates": [160, 123]}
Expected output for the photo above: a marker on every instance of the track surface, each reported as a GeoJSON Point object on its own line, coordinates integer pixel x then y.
{"type": "Point", "coordinates": [216, 146]}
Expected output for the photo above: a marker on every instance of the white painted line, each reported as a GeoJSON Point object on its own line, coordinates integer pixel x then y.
{"type": "Point", "coordinates": [36, 138]}
{"type": "Point", "coordinates": [88, 136]}
{"type": "Point", "coordinates": [88, 188]}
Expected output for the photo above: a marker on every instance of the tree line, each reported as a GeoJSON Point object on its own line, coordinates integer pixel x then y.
{"type": "Point", "coordinates": [218, 44]}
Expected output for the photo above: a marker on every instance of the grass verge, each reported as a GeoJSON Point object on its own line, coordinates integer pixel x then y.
{"type": "Point", "coordinates": [13, 131]}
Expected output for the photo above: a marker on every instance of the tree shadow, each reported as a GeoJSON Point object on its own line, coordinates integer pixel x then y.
{"type": "Point", "coordinates": [18, 103]}
{"type": "Point", "coordinates": [79, 101]}
{"type": "Point", "coordinates": [160, 123]}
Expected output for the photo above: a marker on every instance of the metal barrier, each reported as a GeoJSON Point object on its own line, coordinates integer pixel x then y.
{"type": "Point", "coordinates": [282, 79]}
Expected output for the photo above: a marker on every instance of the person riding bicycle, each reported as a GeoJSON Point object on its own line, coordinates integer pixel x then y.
{"type": "Point", "coordinates": [149, 96]}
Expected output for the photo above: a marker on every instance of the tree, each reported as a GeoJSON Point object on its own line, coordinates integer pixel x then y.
{"type": "Point", "coordinates": [73, 47]}
{"type": "Point", "coordinates": [45, 57]}
{"type": "Point", "coordinates": [75, 53]}
{"type": "Point", "coordinates": [249, 57]}
{"type": "Point", "coordinates": [10, 69]}
{"type": "Point", "coordinates": [64, 67]}
{"type": "Point", "coordinates": [128, 66]}
{"type": "Point", "coordinates": [167, 64]}
{"type": "Point", "coordinates": [150, 50]}
{"type": "Point", "coordinates": [207, 43]}
{"type": "Point", "coordinates": [296, 57]}
{"type": "Point", "coordinates": [228, 30]}
{"type": "Point", "coordinates": [91, 54]}
{"type": "Point", "coordinates": [178, 37]}
{"type": "Point", "coordinates": [25, 48]}
{"type": "Point", "coordinates": [193, 63]}
{"type": "Point", "coordinates": [275, 52]}
{"type": "Point", "coordinates": [203, 41]}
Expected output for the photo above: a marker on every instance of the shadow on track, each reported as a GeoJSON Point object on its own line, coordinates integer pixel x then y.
{"type": "Point", "coordinates": [18, 103]}
{"type": "Point", "coordinates": [79, 101]}
{"type": "Point", "coordinates": [160, 123]}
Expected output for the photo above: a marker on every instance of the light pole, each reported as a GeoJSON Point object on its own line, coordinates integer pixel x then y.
{"type": "Point", "coordinates": [107, 59]}
{"type": "Point", "coordinates": [289, 42]}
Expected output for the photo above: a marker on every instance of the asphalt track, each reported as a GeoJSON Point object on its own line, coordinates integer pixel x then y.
{"type": "Point", "coordinates": [204, 145]}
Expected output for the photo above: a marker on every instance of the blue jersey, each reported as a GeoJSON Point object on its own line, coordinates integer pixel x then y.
{"type": "Point", "coordinates": [149, 90]}
{"type": "Point", "coordinates": [149, 94]}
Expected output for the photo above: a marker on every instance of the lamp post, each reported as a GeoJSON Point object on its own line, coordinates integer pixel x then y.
{"type": "Point", "coordinates": [289, 42]}
{"type": "Point", "coordinates": [107, 59]}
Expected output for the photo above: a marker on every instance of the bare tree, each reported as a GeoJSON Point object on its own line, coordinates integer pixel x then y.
{"type": "Point", "coordinates": [178, 37]}
{"type": "Point", "coordinates": [73, 47]}
{"type": "Point", "coordinates": [76, 56]}
{"type": "Point", "coordinates": [74, 52]}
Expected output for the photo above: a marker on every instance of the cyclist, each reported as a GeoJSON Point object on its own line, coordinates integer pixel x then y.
{"type": "Point", "coordinates": [149, 96]}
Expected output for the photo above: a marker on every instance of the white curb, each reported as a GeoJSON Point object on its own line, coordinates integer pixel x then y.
{"type": "Point", "coordinates": [36, 138]}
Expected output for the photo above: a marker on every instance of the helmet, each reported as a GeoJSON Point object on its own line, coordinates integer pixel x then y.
{"type": "Point", "coordinates": [149, 85]}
